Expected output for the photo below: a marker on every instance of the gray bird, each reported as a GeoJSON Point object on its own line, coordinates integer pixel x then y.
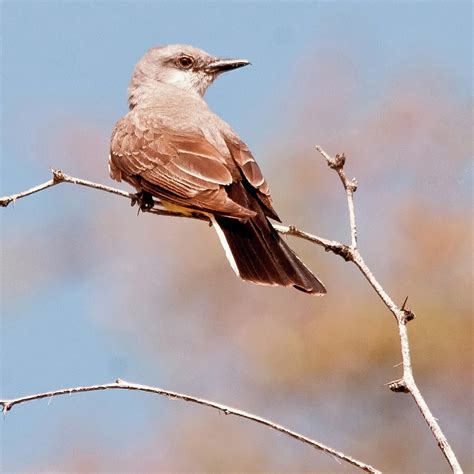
{"type": "Point", "coordinates": [171, 146]}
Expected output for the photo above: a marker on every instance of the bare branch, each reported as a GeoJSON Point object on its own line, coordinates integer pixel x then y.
{"type": "Point", "coordinates": [328, 245]}
{"type": "Point", "coordinates": [227, 410]}
{"type": "Point", "coordinates": [402, 315]}
{"type": "Point", "coordinates": [60, 177]}
{"type": "Point", "coordinates": [337, 164]}
{"type": "Point", "coordinates": [350, 253]}
{"type": "Point", "coordinates": [6, 200]}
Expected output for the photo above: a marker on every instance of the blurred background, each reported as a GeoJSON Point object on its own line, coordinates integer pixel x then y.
{"type": "Point", "coordinates": [91, 292]}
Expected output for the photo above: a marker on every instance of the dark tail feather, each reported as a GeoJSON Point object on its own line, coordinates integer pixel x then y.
{"type": "Point", "coordinates": [258, 254]}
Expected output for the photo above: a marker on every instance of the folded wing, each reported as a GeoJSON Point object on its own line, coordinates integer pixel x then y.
{"type": "Point", "coordinates": [180, 168]}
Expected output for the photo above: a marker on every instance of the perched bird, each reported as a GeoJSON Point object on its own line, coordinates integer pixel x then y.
{"type": "Point", "coordinates": [171, 146]}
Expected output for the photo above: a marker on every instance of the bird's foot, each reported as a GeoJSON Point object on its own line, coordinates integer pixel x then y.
{"type": "Point", "coordinates": [144, 201]}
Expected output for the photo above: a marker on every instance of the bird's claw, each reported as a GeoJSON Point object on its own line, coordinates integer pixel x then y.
{"type": "Point", "coordinates": [144, 201]}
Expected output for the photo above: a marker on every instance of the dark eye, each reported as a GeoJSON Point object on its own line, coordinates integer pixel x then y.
{"type": "Point", "coordinates": [185, 62]}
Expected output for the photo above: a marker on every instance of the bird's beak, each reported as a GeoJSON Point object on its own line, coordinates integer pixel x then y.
{"type": "Point", "coordinates": [223, 65]}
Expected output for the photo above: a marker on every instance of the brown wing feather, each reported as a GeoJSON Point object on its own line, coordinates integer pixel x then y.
{"type": "Point", "coordinates": [182, 169]}
{"type": "Point", "coordinates": [252, 173]}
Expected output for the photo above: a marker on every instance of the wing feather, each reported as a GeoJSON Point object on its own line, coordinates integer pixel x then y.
{"type": "Point", "coordinates": [182, 168]}
{"type": "Point", "coordinates": [252, 173]}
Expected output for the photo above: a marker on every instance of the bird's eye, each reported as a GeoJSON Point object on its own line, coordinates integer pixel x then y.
{"type": "Point", "coordinates": [185, 62]}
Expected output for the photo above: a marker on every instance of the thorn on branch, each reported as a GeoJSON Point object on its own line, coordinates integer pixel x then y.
{"type": "Point", "coordinates": [404, 303]}
{"type": "Point", "coordinates": [408, 314]}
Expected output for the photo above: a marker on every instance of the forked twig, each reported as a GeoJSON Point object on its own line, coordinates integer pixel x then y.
{"type": "Point", "coordinates": [402, 315]}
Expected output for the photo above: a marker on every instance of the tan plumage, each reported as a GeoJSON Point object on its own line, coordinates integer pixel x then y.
{"type": "Point", "coordinates": [172, 146]}
{"type": "Point", "coordinates": [184, 169]}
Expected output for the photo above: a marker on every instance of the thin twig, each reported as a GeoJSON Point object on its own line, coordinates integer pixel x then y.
{"type": "Point", "coordinates": [61, 177]}
{"type": "Point", "coordinates": [328, 245]}
{"type": "Point", "coordinates": [6, 200]}
{"type": "Point", "coordinates": [123, 385]}
{"type": "Point", "coordinates": [58, 178]}
{"type": "Point", "coordinates": [350, 186]}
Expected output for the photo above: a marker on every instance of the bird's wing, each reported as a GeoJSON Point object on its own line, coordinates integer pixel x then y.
{"type": "Point", "coordinates": [179, 168]}
{"type": "Point", "coordinates": [251, 172]}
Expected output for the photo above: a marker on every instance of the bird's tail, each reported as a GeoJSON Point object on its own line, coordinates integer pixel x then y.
{"type": "Point", "coordinates": [258, 254]}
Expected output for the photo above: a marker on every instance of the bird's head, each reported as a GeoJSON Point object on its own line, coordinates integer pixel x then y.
{"type": "Point", "coordinates": [182, 66]}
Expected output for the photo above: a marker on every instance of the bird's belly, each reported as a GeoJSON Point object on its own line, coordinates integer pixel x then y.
{"type": "Point", "coordinates": [176, 208]}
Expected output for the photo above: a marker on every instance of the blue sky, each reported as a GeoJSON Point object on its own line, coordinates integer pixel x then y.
{"type": "Point", "coordinates": [64, 61]}
{"type": "Point", "coordinates": [81, 54]}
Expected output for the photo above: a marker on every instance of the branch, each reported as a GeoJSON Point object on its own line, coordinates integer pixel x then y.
{"type": "Point", "coordinates": [337, 164]}
{"type": "Point", "coordinates": [123, 385]}
{"type": "Point", "coordinates": [403, 315]}
{"type": "Point", "coordinates": [60, 177]}
{"type": "Point", "coordinates": [349, 253]}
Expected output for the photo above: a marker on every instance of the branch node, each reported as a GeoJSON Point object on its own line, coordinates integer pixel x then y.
{"type": "Point", "coordinates": [398, 386]}
{"type": "Point", "coordinates": [342, 250]}
{"type": "Point", "coordinates": [58, 176]}
{"type": "Point", "coordinates": [338, 162]}
{"type": "Point", "coordinates": [352, 185]}
{"type": "Point", "coordinates": [408, 314]}
{"type": "Point", "coordinates": [6, 407]}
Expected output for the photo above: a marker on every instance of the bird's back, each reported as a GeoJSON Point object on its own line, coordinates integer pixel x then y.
{"type": "Point", "coordinates": [183, 111]}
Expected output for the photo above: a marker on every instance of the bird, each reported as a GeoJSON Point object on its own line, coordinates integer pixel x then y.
{"type": "Point", "coordinates": [172, 147]}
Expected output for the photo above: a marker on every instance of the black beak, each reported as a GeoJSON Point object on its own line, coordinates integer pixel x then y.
{"type": "Point", "coordinates": [223, 65]}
